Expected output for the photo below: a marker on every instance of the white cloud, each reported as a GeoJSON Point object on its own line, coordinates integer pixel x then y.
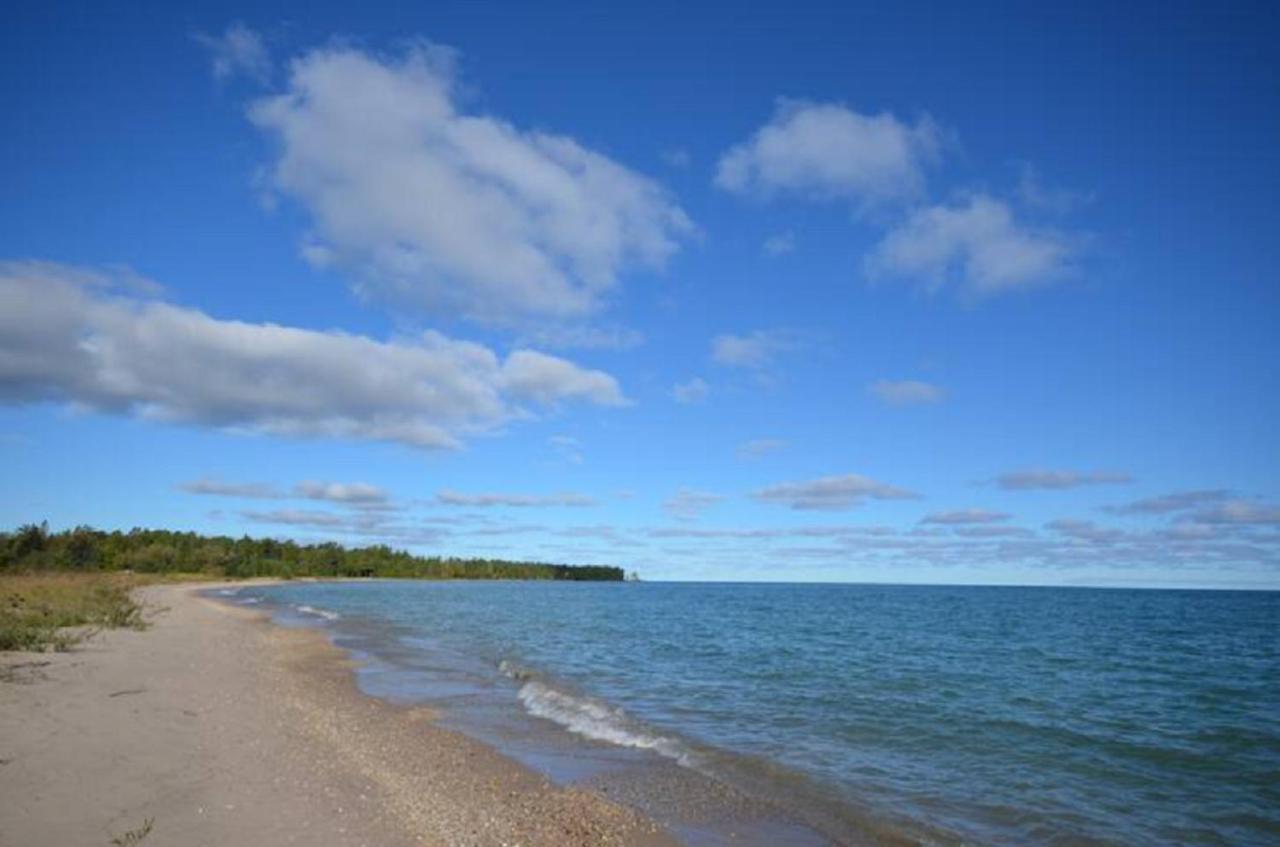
{"type": "Point", "coordinates": [906, 392]}
{"type": "Point", "coordinates": [454, 212]}
{"type": "Point", "coordinates": [1178, 502]}
{"type": "Point", "coordinates": [756, 350]}
{"type": "Point", "coordinates": [567, 448]}
{"type": "Point", "coordinates": [1243, 512]}
{"type": "Point", "coordinates": [239, 50]}
{"type": "Point", "coordinates": [992, 531]}
{"type": "Point", "coordinates": [688, 504]}
{"type": "Point", "coordinates": [65, 337]}
{"type": "Point", "coordinates": [370, 526]}
{"type": "Point", "coordinates": [830, 492]}
{"type": "Point", "coordinates": [1086, 531]}
{"type": "Point", "coordinates": [217, 488]}
{"type": "Point", "coordinates": [827, 150]}
{"type": "Point", "coordinates": [780, 244]}
{"type": "Point", "coordinates": [758, 447]}
{"type": "Point", "coordinates": [549, 379]}
{"type": "Point", "coordinates": [677, 157]}
{"type": "Point", "coordinates": [691, 391]}
{"type": "Point", "coordinates": [1035, 195]}
{"type": "Point", "coordinates": [1035, 478]}
{"type": "Point", "coordinates": [977, 244]}
{"type": "Point", "coordinates": [351, 493]}
{"type": "Point", "coordinates": [584, 337]}
{"type": "Point", "coordinates": [966, 516]}
{"type": "Point", "coordinates": [458, 498]}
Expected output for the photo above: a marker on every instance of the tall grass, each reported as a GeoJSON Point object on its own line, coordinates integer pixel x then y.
{"type": "Point", "coordinates": [56, 611]}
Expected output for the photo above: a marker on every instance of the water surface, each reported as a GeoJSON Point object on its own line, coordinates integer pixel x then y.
{"type": "Point", "coordinates": [1005, 716]}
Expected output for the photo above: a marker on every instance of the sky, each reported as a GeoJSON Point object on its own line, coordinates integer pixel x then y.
{"type": "Point", "coordinates": [794, 292]}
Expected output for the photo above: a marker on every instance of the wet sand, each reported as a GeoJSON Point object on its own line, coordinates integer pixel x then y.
{"type": "Point", "coordinates": [225, 730]}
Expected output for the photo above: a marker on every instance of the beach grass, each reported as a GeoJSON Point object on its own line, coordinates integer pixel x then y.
{"type": "Point", "coordinates": [40, 612]}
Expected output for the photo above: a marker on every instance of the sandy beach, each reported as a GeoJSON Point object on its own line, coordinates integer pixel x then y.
{"type": "Point", "coordinates": [220, 728]}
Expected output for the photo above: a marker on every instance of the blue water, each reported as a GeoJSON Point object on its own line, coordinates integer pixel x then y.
{"type": "Point", "coordinates": [959, 715]}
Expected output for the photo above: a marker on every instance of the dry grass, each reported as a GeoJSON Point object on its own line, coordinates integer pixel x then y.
{"type": "Point", "coordinates": [55, 611]}
{"type": "Point", "coordinates": [134, 836]}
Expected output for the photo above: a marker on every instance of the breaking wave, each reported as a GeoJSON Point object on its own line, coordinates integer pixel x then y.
{"type": "Point", "coordinates": [591, 718]}
{"type": "Point", "coordinates": [320, 613]}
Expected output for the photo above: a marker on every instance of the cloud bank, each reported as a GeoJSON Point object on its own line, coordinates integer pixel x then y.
{"type": "Point", "coordinates": [67, 336]}
{"type": "Point", "coordinates": [1037, 478]}
{"type": "Point", "coordinates": [830, 492]}
{"type": "Point", "coordinates": [458, 498]}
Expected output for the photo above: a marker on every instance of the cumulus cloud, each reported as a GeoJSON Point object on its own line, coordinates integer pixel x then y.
{"type": "Point", "coordinates": [1036, 478]}
{"type": "Point", "coordinates": [454, 212]}
{"type": "Point", "coordinates": [827, 150]}
{"type": "Point", "coordinates": [977, 244]}
{"type": "Point", "coordinates": [688, 504]}
{"type": "Point", "coordinates": [67, 336]}
{"type": "Point", "coordinates": [458, 498]}
{"type": "Point", "coordinates": [691, 391]}
{"type": "Point", "coordinates": [758, 447]}
{"type": "Point", "coordinates": [830, 492]}
{"type": "Point", "coordinates": [906, 392]}
{"type": "Point", "coordinates": [966, 516]}
{"type": "Point", "coordinates": [239, 50]}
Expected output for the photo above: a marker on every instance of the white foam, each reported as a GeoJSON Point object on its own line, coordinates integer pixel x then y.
{"type": "Point", "coordinates": [321, 613]}
{"type": "Point", "coordinates": [592, 719]}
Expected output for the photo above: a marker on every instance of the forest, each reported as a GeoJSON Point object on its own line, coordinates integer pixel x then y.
{"type": "Point", "coordinates": [33, 548]}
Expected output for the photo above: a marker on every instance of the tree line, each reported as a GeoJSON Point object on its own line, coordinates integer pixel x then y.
{"type": "Point", "coordinates": [32, 547]}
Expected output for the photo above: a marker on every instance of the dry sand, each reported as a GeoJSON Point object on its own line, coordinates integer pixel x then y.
{"type": "Point", "coordinates": [226, 730]}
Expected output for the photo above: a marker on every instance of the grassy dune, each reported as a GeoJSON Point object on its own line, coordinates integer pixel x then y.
{"type": "Point", "coordinates": [55, 611]}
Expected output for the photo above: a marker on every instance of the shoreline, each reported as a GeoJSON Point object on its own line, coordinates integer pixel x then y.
{"type": "Point", "coordinates": [220, 727]}
{"type": "Point", "coordinates": [726, 798]}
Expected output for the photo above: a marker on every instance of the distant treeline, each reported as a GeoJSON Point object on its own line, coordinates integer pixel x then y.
{"type": "Point", "coordinates": [33, 548]}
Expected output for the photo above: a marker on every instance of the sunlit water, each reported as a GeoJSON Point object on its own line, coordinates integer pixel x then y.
{"type": "Point", "coordinates": [983, 715]}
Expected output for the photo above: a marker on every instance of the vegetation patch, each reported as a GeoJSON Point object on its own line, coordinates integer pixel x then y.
{"type": "Point", "coordinates": [161, 552]}
{"type": "Point", "coordinates": [134, 836]}
{"type": "Point", "coordinates": [56, 611]}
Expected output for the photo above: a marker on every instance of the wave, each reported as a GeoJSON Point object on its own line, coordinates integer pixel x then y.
{"type": "Point", "coordinates": [591, 718]}
{"type": "Point", "coordinates": [320, 613]}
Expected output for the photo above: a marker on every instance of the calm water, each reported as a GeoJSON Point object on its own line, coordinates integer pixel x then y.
{"type": "Point", "coordinates": [962, 715]}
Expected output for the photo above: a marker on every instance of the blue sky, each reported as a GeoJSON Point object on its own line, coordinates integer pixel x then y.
{"type": "Point", "coordinates": [916, 294]}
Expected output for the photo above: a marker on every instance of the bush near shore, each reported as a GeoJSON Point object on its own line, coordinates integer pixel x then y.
{"type": "Point", "coordinates": [56, 611]}
{"type": "Point", "coordinates": [56, 587]}
{"type": "Point", "coordinates": [157, 551]}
